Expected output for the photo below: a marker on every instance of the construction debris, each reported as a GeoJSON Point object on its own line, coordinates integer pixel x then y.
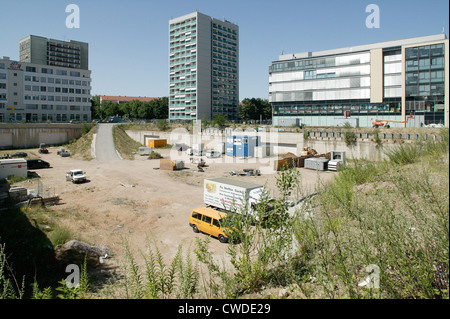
{"type": "Point", "coordinates": [170, 165]}
{"type": "Point", "coordinates": [44, 201]}
{"type": "Point", "coordinates": [291, 160]}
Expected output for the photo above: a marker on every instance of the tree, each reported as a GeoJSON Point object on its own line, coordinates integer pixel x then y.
{"type": "Point", "coordinates": [111, 109]}
{"type": "Point", "coordinates": [160, 108]}
{"type": "Point", "coordinates": [219, 120]}
{"type": "Point", "coordinates": [255, 109]}
{"type": "Point", "coordinates": [96, 110]}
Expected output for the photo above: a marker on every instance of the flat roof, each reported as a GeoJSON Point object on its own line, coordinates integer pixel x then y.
{"type": "Point", "coordinates": [364, 47]}
{"type": "Point", "coordinates": [233, 182]}
{"type": "Point", "coordinates": [127, 98]}
{"type": "Point", "coordinates": [210, 212]}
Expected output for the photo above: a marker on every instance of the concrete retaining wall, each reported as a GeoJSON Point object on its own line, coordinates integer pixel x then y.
{"type": "Point", "coordinates": [366, 145]}
{"type": "Point", "coordinates": [16, 136]}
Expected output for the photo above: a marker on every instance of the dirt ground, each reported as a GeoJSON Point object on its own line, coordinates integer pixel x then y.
{"type": "Point", "coordinates": [137, 201]}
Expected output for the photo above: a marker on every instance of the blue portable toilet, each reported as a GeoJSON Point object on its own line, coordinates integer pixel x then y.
{"type": "Point", "coordinates": [229, 145]}
{"type": "Point", "coordinates": [242, 146]}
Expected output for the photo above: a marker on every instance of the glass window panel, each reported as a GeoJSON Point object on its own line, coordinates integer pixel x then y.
{"type": "Point", "coordinates": [412, 53]}
{"type": "Point", "coordinates": [437, 50]}
{"type": "Point", "coordinates": [424, 52]}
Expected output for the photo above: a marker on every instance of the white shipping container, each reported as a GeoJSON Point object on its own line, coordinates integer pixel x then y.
{"type": "Point", "coordinates": [13, 167]}
{"type": "Point", "coordinates": [230, 194]}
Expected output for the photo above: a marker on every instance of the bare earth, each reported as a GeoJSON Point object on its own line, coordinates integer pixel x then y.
{"type": "Point", "coordinates": [133, 200]}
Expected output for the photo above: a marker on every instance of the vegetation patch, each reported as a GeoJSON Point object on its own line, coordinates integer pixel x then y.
{"type": "Point", "coordinates": [81, 148]}
{"type": "Point", "coordinates": [125, 145]}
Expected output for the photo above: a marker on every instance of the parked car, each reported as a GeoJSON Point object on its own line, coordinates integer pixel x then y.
{"type": "Point", "coordinates": [19, 154]}
{"type": "Point", "coordinates": [76, 176]}
{"type": "Point", "coordinates": [37, 163]}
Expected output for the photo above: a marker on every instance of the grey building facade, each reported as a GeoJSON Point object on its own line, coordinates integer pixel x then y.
{"type": "Point", "coordinates": [45, 51]}
{"type": "Point", "coordinates": [42, 91]}
{"type": "Point", "coordinates": [390, 80]}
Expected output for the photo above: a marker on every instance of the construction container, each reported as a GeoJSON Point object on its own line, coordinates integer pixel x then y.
{"type": "Point", "coordinates": [145, 150]}
{"type": "Point", "coordinates": [316, 163]}
{"type": "Point", "coordinates": [156, 142]}
{"type": "Point", "coordinates": [167, 164]}
{"type": "Point", "coordinates": [242, 146]}
{"type": "Point", "coordinates": [13, 167]}
{"type": "Point", "coordinates": [170, 165]}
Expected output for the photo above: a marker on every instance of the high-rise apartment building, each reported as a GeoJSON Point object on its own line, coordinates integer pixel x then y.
{"type": "Point", "coordinates": [388, 80]}
{"type": "Point", "coordinates": [203, 67]}
{"type": "Point", "coordinates": [44, 51]}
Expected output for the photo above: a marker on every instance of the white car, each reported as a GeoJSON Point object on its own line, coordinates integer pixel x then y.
{"type": "Point", "coordinates": [213, 154]}
{"type": "Point", "coordinates": [76, 176]}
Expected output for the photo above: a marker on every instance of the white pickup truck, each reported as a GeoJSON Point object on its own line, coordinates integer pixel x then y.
{"type": "Point", "coordinates": [76, 176]}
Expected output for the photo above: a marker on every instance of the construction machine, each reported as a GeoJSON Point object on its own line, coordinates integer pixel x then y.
{"type": "Point", "coordinates": [376, 123]}
{"type": "Point", "coordinates": [43, 149]}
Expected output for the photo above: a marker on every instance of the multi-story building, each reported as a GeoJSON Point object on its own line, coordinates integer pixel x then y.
{"type": "Point", "coordinates": [44, 51]}
{"type": "Point", "coordinates": [203, 67]}
{"type": "Point", "coordinates": [44, 92]}
{"type": "Point", "coordinates": [389, 80]}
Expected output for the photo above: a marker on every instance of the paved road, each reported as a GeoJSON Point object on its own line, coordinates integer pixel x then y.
{"type": "Point", "coordinates": [105, 150]}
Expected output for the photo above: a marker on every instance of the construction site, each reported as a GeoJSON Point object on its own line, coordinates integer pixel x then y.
{"type": "Point", "coordinates": [149, 199]}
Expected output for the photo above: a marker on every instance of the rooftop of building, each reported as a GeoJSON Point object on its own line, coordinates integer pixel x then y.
{"type": "Point", "coordinates": [364, 47]}
{"type": "Point", "coordinates": [50, 40]}
{"type": "Point", "coordinates": [115, 98]}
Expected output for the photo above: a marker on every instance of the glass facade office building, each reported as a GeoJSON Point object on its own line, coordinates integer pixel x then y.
{"type": "Point", "coordinates": [388, 80]}
{"type": "Point", "coordinates": [203, 68]}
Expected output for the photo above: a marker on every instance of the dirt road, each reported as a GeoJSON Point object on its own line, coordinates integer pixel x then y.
{"type": "Point", "coordinates": [105, 151]}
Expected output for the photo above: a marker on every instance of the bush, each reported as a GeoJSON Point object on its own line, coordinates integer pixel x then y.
{"type": "Point", "coordinates": [162, 125]}
{"type": "Point", "coordinates": [154, 155]}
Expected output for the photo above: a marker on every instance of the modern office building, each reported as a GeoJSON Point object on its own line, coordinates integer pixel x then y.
{"type": "Point", "coordinates": [44, 51]}
{"type": "Point", "coordinates": [42, 92]}
{"type": "Point", "coordinates": [388, 80]}
{"type": "Point", "coordinates": [203, 67]}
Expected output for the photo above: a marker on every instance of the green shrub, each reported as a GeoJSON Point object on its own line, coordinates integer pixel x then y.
{"type": "Point", "coordinates": [60, 236]}
{"type": "Point", "coordinates": [154, 155]}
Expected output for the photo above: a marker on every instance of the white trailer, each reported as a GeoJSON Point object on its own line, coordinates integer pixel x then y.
{"type": "Point", "coordinates": [233, 195]}
{"type": "Point", "coordinates": [13, 167]}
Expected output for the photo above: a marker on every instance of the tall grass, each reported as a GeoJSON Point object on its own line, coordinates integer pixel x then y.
{"type": "Point", "coordinates": [158, 279]}
{"type": "Point", "coordinates": [409, 153]}
{"type": "Point", "coordinates": [392, 216]}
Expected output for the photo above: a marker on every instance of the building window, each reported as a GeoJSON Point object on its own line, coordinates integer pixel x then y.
{"type": "Point", "coordinates": [47, 71]}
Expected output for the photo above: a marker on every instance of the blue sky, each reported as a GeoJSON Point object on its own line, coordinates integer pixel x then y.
{"type": "Point", "coordinates": [128, 40]}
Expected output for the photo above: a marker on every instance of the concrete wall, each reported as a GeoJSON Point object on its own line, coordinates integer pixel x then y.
{"type": "Point", "coordinates": [14, 136]}
{"type": "Point", "coordinates": [323, 141]}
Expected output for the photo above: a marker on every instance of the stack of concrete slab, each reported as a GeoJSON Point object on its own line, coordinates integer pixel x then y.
{"type": "Point", "coordinates": [316, 163]}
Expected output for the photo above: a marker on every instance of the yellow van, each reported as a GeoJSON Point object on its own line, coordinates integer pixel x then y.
{"type": "Point", "coordinates": [207, 220]}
